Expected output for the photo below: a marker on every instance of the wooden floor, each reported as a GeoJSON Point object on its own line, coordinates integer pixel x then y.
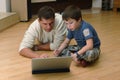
{"type": "Point", "coordinates": [107, 24]}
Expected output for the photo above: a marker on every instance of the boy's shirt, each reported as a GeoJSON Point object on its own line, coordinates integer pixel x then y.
{"type": "Point", "coordinates": [84, 32]}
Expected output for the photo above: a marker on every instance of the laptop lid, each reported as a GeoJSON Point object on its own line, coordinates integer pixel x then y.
{"type": "Point", "coordinates": [52, 64]}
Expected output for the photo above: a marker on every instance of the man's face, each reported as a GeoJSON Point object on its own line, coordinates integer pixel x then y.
{"type": "Point", "coordinates": [72, 24]}
{"type": "Point", "coordinates": [47, 24]}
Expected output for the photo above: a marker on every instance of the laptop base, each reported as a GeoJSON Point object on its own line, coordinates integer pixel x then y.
{"type": "Point", "coordinates": [51, 71]}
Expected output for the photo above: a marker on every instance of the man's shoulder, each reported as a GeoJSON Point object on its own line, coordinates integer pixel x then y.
{"type": "Point", "coordinates": [58, 20]}
{"type": "Point", "coordinates": [35, 21]}
{"type": "Point", "coordinates": [58, 16]}
{"type": "Point", "coordinates": [35, 25]}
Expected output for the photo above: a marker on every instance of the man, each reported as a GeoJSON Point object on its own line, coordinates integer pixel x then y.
{"type": "Point", "coordinates": [48, 29]}
{"type": "Point", "coordinates": [88, 42]}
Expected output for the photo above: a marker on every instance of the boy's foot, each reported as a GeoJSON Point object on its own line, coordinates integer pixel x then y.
{"type": "Point", "coordinates": [84, 63]}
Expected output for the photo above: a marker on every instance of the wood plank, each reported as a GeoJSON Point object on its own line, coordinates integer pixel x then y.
{"type": "Point", "coordinates": [107, 24]}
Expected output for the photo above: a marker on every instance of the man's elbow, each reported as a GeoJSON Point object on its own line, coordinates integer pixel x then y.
{"type": "Point", "coordinates": [21, 52]}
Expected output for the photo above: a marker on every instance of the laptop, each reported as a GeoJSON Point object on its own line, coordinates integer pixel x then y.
{"type": "Point", "coordinates": [51, 65]}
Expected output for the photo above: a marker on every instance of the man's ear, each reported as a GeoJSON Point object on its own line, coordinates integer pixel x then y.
{"type": "Point", "coordinates": [79, 20]}
{"type": "Point", "coordinates": [39, 19]}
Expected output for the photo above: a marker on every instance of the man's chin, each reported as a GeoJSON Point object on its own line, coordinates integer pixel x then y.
{"type": "Point", "coordinates": [48, 30]}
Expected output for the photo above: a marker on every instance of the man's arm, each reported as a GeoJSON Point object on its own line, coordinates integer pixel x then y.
{"type": "Point", "coordinates": [26, 52]}
{"type": "Point", "coordinates": [41, 47]}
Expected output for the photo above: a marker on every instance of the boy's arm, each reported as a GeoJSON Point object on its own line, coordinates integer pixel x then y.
{"type": "Point", "coordinates": [88, 46]}
{"type": "Point", "coordinates": [62, 46]}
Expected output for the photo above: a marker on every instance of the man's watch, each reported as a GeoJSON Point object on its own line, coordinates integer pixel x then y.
{"type": "Point", "coordinates": [35, 48]}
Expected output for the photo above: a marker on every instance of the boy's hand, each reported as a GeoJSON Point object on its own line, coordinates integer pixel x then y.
{"type": "Point", "coordinates": [74, 57]}
{"type": "Point", "coordinates": [56, 52]}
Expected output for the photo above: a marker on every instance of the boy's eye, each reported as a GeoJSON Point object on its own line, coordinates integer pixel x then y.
{"type": "Point", "coordinates": [70, 22]}
{"type": "Point", "coordinates": [66, 23]}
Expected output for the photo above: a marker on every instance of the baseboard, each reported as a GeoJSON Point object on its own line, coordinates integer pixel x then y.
{"type": "Point", "coordinates": [8, 19]}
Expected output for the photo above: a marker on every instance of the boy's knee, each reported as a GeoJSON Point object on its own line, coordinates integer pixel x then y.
{"type": "Point", "coordinates": [91, 55]}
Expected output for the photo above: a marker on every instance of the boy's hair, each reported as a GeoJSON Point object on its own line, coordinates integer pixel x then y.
{"type": "Point", "coordinates": [46, 12]}
{"type": "Point", "coordinates": [72, 12]}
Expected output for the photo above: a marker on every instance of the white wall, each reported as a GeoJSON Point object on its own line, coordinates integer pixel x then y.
{"type": "Point", "coordinates": [111, 6]}
{"type": "Point", "coordinates": [4, 5]}
{"type": "Point", "coordinates": [97, 4]}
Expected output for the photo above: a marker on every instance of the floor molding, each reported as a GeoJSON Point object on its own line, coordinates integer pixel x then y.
{"type": "Point", "coordinates": [8, 19]}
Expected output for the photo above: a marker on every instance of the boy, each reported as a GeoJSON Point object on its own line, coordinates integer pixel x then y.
{"type": "Point", "coordinates": [84, 34]}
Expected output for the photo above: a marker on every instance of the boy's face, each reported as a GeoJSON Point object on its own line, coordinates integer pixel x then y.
{"type": "Point", "coordinates": [72, 24]}
{"type": "Point", "coordinates": [47, 24]}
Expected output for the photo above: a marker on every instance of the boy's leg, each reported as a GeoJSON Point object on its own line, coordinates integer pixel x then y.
{"type": "Point", "coordinates": [69, 49]}
{"type": "Point", "coordinates": [65, 52]}
{"type": "Point", "coordinates": [91, 55]}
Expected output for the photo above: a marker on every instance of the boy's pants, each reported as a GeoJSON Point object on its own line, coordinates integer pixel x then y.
{"type": "Point", "coordinates": [89, 56]}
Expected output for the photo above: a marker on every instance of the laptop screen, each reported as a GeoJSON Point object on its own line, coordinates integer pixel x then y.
{"type": "Point", "coordinates": [52, 64]}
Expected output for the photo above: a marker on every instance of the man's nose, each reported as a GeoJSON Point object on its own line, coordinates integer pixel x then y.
{"type": "Point", "coordinates": [49, 26]}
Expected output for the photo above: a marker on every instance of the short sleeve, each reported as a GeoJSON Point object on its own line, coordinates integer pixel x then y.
{"type": "Point", "coordinates": [87, 33]}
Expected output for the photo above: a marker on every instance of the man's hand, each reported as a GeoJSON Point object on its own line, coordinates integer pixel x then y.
{"type": "Point", "coordinates": [41, 56]}
{"type": "Point", "coordinates": [44, 56]}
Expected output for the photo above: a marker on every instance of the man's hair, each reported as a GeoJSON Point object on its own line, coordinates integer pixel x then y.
{"type": "Point", "coordinates": [46, 12]}
{"type": "Point", "coordinates": [72, 12]}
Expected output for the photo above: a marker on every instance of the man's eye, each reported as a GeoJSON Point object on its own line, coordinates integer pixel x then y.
{"type": "Point", "coordinates": [45, 24]}
{"type": "Point", "coordinates": [51, 23]}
